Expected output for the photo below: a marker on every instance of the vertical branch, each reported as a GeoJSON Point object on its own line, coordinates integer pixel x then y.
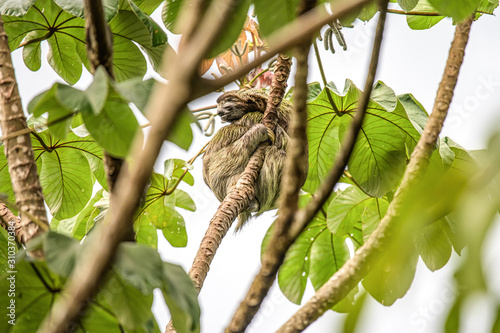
{"type": "Point", "coordinates": [345, 279]}
{"type": "Point", "coordinates": [291, 222]}
{"type": "Point", "coordinates": [100, 53]}
{"type": "Point", "coordinates": [11, 223]}
{"type": "Point", "coordinates": [18, 149]}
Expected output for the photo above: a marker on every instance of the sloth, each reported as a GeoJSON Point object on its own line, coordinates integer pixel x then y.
{"type": "Point", "coordinates": [229, 151]}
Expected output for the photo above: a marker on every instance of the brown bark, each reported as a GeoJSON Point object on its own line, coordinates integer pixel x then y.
{"type": "Point", "coordinates": [18, 150]}
{"type": "Point", "coordinates": [166, 103]}
{"type": "Point", "coordinates": [11, 222]}
{"type": "Point", "coordinates": [344, 280]}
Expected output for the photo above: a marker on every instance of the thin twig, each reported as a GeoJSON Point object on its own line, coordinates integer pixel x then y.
{"type": "Point", "coordinates": [323, 77]}
{"type": "Point", "coordinates": [349, 275]}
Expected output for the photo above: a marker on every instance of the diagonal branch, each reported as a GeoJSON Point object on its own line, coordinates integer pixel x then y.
{"type": "Point", "coordinates": [18, 150]}
{"type": "Point", "coordinates": [11, 223]}
{"type": "Point", "coordinates": [290, 223]}
{"type": "Point", "coordinates": [358, 266]}
{"type": "Point", "coordinates": [166, 103]}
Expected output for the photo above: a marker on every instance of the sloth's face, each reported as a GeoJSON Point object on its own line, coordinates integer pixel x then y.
{"type": "Point", "coordinates": [231, 108]}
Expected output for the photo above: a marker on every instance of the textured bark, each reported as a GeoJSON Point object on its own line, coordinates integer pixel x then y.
{"type": "Point", "coordinates": [295, 170]}
{"type": "Point", "coordinates": [18, 149]}
{"type": "Point", "coordinates": [10, 221]}
{"type": "Point", "coordinates": [166, 103]}
{"type": "Point", "coordinates": [345, 279]}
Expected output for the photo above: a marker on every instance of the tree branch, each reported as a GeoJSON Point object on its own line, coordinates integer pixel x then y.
{"type": "Point", "coordinates": [339, 285]}
{"type": "Point", "coordinates": [18, 150]}
{"type": "Point", "coordinates": [166, 103]}
{"type": "Point", "coordinates": [290, 223]}
{"type": "Point", "coordinates": [100, 53]}
{"type": "Point", "coordinates": [11, 222]}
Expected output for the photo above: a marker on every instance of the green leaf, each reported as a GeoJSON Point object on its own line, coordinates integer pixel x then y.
{"type": "Point", "coordinates": [384, 96]}
{"type": "Point", "coordinates": [146, 233]}
{"type": "Point", "coordinates": [157, 35]}
{"type": "Point", "coordinates": [170, 14]}
{"type": "Point", "coordinates": [15, 7]}
{"type": "Point", "coordinates": [352, 206]}
{"type": "Point", "coordinates": [352, 318]}
{"type": "Point", "coordinates": [136, 91]}
{"type": "Point", "coordinates": [32, 52]}
{"type": "Point", "coordinates": [378, 159]}
{"type": "Point", "coordinates": [140, 266]}
{"type": "Point", "coordinates": [174, 169]}
{"type": "Point", "coordinates": [329, 252]}
{"type": "Point", "coordinates": [416, 112]}
{"type": "Point", "coordinates": [148, 6]}
{"type": "Point", "coordinates": [63, 58]}
{"type": "Point", "coordinates": [391, 277]}
{"type": "Point", "coordinates": [433, 245]}
{"type": "Point", "coordinates": [114, 127]}
{"type": "Point", "coordinates": [128, 61]}
{"type": "Point", "coordinates": [97, 92]}
{"type": "Point", "coordinates": [457, 9]}
{"type": "Point", "coordinates": [273, 15]}
{"type": "Point", "coordinates": [78, 226]}
{"type": "Point", "coordinates": [61, 253]}
{"type": "Point", "coordinates": [65, 174]}
{"type": "Point", "coordinates": [181, 298]}
{"type": "Point", "coordinates": [181, 134]}
{"type": "Point", "coordinates": [131, 307]}
{"type": "Point", "coordinates": [407, 5]}
{"type": "Point", "coordinates": [159, 210]}
{"type": "Point", "coordinates": [110, 7]}
{"type": "Point", "coordinates": [420, 22]}
{"type": "Point", "coordinates": [231, 31]}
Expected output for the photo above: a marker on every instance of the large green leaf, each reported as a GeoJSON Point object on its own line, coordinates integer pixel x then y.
{"type": "Point", "coordinates": [15, 7]}
{"type": "Point", "coordinates": [64, 31]}
{"type": "Point", "coordinates": [78, 226]}
{"type": "Point", "coordinates": [131, 307]}
{"type": "Point", "coordinates": [407, 5]}
{"type": "Point", "coordinates": [351, 207]}
{"type": "Point", "coordinates": [421, 22]}
{"type": "Point", "coordinates": [317, 254]}
{"type": "Point", "coordinates": [181, 298]}
{"type": "Point", "coordinates": [114, 127]}
{"type": "Point", "coordinates": [65, 174]}
{"type": "Point", "coordinates": [433, 245]}
{"type": "Point", "coordinates": [458, 9]}
{"type": "Point", "coordinates": [171, 14]}
{"type": "Point", "coordinates": [378, 159]}
{"type": "Point", "coordinates": [273, 15]}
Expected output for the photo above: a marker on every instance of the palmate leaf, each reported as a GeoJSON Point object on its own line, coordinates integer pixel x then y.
{"type": "Point", "coordinates": [274, 15]}
{"type": "Point", "coordinates": [419, 22]}
{"type": "Point", "coordinates": [64, 31]}
{"type": "Point", "coordinates": [378, 159]}
{"type": "Point", "coordinates": [65, 173]}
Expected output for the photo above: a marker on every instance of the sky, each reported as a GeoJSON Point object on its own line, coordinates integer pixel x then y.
{"type": "Point", "coordinates": [411, 62]}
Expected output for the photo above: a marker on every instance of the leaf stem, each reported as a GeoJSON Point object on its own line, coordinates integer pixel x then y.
{"type": "Point", "coordinates": [323, 77]}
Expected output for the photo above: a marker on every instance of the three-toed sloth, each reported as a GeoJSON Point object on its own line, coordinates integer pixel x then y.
{"type": "Point", "coordinates": [229, 151]}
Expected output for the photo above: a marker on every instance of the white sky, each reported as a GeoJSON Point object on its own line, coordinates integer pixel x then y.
{"type": "Point", "coordinates": [411, 61]}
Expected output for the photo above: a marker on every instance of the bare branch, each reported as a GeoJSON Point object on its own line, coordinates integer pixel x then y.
{"type": "Point", "coordinates": [18, 150]}
{"type": "Point", "coordinates": [339, 285]}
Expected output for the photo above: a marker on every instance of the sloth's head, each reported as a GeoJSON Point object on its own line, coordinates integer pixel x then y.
{"type": "Point", "coordinates": [233, 105]}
